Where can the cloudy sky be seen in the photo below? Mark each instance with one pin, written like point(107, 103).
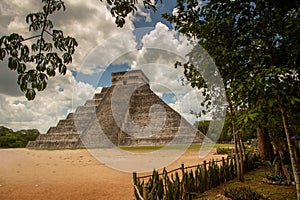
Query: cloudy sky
point(146, 42)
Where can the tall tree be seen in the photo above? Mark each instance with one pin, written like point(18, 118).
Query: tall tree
point(256, 47)
point(51, 56)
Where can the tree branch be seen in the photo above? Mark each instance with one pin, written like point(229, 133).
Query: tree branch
point(30, 38)
point(49, 33)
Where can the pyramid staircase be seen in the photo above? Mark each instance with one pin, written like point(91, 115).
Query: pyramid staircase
point(114, 118)
point(65, 134)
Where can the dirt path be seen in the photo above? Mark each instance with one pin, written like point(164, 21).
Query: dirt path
point(67, 174)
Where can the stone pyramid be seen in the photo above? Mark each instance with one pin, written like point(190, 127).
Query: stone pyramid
point(128, 113)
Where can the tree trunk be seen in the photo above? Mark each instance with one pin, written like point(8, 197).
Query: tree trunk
point(295, 163)
point(278, 149)
point(265, 149)
point(236, 157)
point(241, 156)
point(243, 148)
point(237, 147)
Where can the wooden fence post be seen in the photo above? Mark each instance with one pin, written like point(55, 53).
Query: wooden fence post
point(145, 192)
point(223, 171)
point(182, 180)
point(134, 184)
point(205, 175)
point(182, 169)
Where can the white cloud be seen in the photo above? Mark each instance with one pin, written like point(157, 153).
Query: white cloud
point(109, 51)
point(142, 13)
point(91, 24)
point(16, 7)
point(164, 38)
point(190, 101)
point(162, 47)
point(47, 108)
point(13, 14)
point(82, 92)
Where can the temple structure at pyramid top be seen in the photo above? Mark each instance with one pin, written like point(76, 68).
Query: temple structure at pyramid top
point(129, 77)
point(128, 113)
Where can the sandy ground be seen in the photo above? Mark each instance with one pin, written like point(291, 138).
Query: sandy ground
point(68, 174)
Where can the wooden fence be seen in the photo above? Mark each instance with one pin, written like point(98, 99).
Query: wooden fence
point(187, 182)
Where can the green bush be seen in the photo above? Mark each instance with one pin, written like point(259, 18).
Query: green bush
point(242, 193)
point(275, 177)
point(18, 139)
point(252, 161)
point(221, 150)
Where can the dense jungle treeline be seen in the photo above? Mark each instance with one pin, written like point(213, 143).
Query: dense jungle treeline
point(16, 139)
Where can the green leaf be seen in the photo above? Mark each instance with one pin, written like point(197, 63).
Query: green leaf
point(13, 64)
point(41, 85)
point(271, 102)
point(34, 47)
point(21, 68)
point(67, 58)
point(14, 53)
point(50, 71)
point(29, 18)
point(30, 94)
point(252, 116)
point(2, 54)
point(62, 69)
point(297, 99)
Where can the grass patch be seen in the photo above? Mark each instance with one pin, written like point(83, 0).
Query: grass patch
point(278, 192)
point(253, 180)
point(55, 149)
point(140, 148)
point(148, 148)
point(191, 147)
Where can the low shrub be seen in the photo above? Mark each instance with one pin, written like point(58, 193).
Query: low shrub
point(221, 150)
point(252, 161)
point(242, 193)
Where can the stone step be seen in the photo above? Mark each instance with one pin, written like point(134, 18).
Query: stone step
point(101, 94)
point(66, 127)
point(65, 122)
point(62, 129)
point(83, 122)
point(63, 133)
point(52, 129)
point(59, 137)
point(98, 96)
point(92, 102)
point(59, 133)
point(56, 144)
point(91, 140)
point(84, 117)
point(104, 90)
point(70, 116)
point(84, 109)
